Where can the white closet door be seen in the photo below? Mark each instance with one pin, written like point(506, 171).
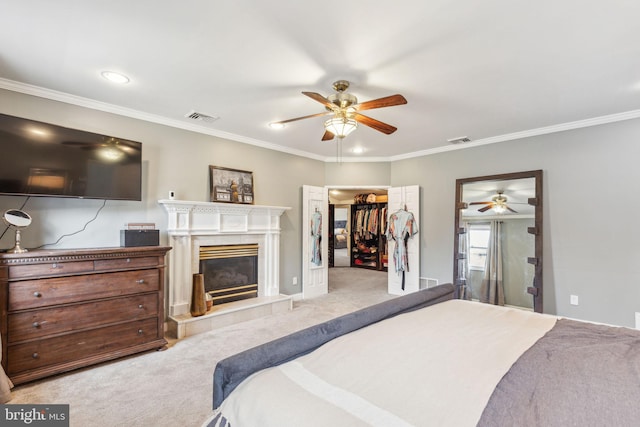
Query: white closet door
point(315, 277)
point(401, 198)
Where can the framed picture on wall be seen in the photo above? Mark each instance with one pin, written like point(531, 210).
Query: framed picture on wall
point(230, 185)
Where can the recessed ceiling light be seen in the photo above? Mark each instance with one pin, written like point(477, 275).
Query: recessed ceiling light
point(115, 77)
point(276, 125)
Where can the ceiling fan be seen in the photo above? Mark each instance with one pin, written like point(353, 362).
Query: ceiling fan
point(498, 203)
point(110, 149)
point(345, 110)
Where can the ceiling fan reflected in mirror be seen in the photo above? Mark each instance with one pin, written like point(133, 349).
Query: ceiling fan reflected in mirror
point(346, 112)
point(110, 149)
point(498, 203)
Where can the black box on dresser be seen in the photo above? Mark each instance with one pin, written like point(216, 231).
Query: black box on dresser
point(134, 238)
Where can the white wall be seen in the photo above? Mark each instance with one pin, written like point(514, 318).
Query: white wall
point(173, 159)
point(591, 187)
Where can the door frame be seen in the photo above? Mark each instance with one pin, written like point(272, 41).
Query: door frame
point(321, 285)
point(315, 199)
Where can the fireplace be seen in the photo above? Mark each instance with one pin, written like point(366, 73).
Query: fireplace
point(230, 272)
point(195, 225)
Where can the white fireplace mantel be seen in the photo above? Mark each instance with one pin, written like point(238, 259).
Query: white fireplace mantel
point(192, 224)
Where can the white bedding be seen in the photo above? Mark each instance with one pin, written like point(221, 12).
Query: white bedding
point(437, 366)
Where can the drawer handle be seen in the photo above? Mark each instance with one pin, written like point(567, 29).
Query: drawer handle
point(140, 306)
point(140, 281)
point(140, 332)
point(37, 294)
point(35, 355)
point(55, 265)
point(128, 259)
point(36, 324)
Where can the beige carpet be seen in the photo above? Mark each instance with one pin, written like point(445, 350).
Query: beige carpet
point(341, 258)
point(174, 387)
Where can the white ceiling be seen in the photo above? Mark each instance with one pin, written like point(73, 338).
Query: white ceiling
point(491, 70)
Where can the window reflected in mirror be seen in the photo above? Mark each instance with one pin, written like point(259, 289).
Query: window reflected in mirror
point(478, 245)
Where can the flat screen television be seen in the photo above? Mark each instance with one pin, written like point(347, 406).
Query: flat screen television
point(42, 159)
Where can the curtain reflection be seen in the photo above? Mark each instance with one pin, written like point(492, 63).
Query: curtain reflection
point(492, 287)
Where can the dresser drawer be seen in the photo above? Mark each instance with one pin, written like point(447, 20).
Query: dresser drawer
point(63, 290)
point(49, 269)
point(120, 263)
point(38, 323)
point(79, 345)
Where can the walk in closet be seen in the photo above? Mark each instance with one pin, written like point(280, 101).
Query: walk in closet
point(368, 239)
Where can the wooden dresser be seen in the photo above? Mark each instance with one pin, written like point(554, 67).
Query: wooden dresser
point(65, 309)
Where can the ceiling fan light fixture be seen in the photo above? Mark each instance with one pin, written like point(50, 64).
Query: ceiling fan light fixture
point(499, 209)
point(340, 126)
point(111, 152)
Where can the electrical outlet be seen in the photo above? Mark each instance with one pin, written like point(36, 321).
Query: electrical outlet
point(574, 300)
point(295, 280)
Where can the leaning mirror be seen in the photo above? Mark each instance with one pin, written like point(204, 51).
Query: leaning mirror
point(17, 220)
point(498, 239)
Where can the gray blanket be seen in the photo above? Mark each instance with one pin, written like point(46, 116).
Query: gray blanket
point(578, 374)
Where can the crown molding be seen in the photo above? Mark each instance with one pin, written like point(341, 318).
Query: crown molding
point(140, 115)
point(135, 114)
point(578, 124)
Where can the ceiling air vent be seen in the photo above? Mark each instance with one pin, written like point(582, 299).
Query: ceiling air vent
point(459, 140)
point(194, 115)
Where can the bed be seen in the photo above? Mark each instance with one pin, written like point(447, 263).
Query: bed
point(426, 359)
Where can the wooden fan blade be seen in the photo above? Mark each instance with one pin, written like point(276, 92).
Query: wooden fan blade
point(511, 209)
point(321, 99)
point(375, 124)
point(387, 101)
point(326, 113)
point(486, 208)
point(481, 203)
point(328, 136)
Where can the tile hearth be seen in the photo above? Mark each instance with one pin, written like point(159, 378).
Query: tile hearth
point(228, 314)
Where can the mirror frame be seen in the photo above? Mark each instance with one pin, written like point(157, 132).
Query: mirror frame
point(21, 214)
point(536, 287)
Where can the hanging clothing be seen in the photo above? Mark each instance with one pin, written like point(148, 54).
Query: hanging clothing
point(316, 237)
point(401, 227)
point(367, 223)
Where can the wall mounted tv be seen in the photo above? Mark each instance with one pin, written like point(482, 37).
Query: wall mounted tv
point(42, 159)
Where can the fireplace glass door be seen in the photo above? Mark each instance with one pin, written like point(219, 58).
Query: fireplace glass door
point(230, 272)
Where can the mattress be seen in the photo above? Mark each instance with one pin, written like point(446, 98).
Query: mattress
point(413, 369)
point(425, 359)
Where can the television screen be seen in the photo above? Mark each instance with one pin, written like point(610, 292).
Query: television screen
point(42, 159)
